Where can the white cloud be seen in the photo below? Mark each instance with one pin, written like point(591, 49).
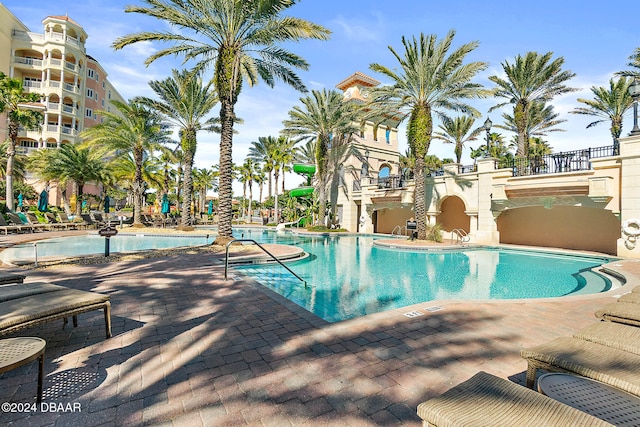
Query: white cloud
point(357, 29)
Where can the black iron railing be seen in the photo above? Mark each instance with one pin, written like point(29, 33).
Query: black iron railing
point(566, 161)
point(391, 181)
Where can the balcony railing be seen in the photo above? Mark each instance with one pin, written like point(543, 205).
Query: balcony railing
point(68, 131)
point(70, 88)
point(566, 161)
point(68, 109)
point(69, 65)
point(53, 106)
point(27, 61)
point(32, 83)
point(389, 182)
point(55, 62)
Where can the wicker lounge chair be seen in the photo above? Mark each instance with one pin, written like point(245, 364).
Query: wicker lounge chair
point(621, 312)
point(633, 297)
point(28, 304)
point(486, 400)
point(616, 335)
point(604, 363)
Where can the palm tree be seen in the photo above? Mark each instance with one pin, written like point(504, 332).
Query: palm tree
point(239, 40)
point(134, 129)
point(634, 61)
point(15, 102)
point(185, 102)
point(541, 120)
point(532, 78)
point(457, 131)
point(203, 180)
point(327, 120)
point(19, 166)
point(246, 175)
point(608, 105)
point(124, 170)
point(260, 178)
point(432, 79)
point(74, 163)
point(262, 151)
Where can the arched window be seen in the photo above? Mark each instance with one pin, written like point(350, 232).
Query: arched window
point(384, 172)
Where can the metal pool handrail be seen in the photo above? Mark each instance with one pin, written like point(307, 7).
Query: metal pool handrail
point(226, 258)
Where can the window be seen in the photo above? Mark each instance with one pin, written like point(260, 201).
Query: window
point(387, 135)
point(89, 93)
point(109, 95)
point(95, 96)
point(103, 85)
point(90, 73)
point(102, 102)
point(97, 77)
point(88, 113)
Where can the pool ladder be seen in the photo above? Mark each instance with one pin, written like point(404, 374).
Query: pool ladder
point(461, 235)
point(226, 258)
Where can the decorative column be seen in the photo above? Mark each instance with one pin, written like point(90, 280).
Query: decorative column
point(629, 241)
point(487, 232)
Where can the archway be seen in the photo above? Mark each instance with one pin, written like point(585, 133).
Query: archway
point(452, 215)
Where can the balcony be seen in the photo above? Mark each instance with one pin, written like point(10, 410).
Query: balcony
point(31, 62)
point(69, 131)
point(70, 88)
point(70, 66)
point(53, 106)
point(389, 182)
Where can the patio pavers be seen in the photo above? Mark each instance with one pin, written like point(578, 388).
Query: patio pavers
point(190, 348)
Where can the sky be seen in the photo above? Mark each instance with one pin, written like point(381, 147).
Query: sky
point(595, 39)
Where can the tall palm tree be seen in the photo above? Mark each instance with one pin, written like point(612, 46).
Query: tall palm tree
point(134, 129)
point(262, 151)
point(280, 157)
point(260, 178)
point(532, 78)
point(432, 79)
point(329, 121)
point(14, 101)
point(246, 175)
point(124, 170)
point(457, 131)
point(203, 180)
point(74, 163)
point(241, 41)
point(541, 120)
point(609, 105)
point(185, 101)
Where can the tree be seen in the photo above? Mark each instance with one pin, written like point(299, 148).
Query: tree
point(239, 40)
point(74, 163)
point(329, 121)
point(532, 78)
point(15, 102)
point(246, 175)
point(185, 102)
point(203, 180)
point(634, 61)
point(432, 79)
point(457, 131)
point(262, 151)
point(608, 105)
point(124, 171)
point(134, 129)
point(542, 120)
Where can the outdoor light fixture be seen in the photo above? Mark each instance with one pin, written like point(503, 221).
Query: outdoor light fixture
point(365, 165)
point(634, 91)
point(487, 127)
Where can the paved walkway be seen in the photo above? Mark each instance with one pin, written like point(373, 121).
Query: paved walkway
point(191, 349)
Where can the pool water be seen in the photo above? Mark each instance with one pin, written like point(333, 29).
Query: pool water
point(347, 276)
point(350, 277)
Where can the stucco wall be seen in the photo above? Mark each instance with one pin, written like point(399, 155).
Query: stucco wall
point(569, 227)
point(452, 215)
point(387, 219)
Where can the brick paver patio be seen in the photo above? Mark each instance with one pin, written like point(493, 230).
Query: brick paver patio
point(190, 349)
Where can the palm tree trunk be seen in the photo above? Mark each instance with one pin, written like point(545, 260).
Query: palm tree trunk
point(11, 153)
point(250, 199)
point(138, 188)
point(276, 216)
point(520, 114)
point(225, 191)
point(419, 131)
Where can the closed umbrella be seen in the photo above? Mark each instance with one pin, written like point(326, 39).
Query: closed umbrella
point(166, 207)
point(107, 202)
point(20, 200)
point(43, 201)
point(210, 209)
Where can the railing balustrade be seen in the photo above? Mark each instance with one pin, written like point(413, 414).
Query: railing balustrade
point(391, 181)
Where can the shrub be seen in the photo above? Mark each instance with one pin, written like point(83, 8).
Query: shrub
point(435, 233)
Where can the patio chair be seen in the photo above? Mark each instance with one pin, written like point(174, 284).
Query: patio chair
point(5, 227)
point(51, 219)
point(98, 219)
point(37, 225)
point(89, 221)
point(64, 219)
point(15, 220)
point(487, 400)
point(621, 312)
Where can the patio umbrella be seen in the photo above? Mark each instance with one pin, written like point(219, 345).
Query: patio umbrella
point(20, 200)
point(106, 204)
point(43, 201)
point(166, 208)
point(210, 209)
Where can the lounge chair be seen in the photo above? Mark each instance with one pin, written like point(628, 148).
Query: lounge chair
point(604, 363)
point(54, 223)
point(64, 219)
point(621, 312)
point(89, 221)
point(37, 225)
point(98, 218)
point(4, 227)
point(611, 334)
point(633, 297)
point(487, 400)
point(15, 220)
point(27, 304)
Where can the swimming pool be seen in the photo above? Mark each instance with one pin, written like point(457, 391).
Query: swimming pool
point(350, 277)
